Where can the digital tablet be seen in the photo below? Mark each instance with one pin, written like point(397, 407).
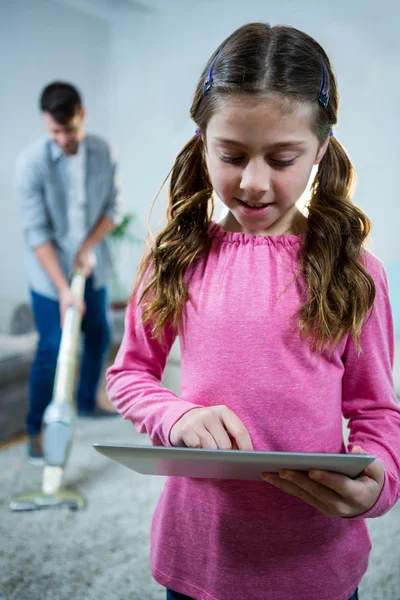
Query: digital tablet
point(227, 464)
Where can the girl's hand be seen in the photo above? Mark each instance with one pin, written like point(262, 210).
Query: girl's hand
point(214, 428)
point(332, 494)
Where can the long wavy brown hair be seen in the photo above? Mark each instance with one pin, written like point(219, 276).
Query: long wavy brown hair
point(261, 60)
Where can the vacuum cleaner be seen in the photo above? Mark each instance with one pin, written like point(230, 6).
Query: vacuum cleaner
point(59, 419)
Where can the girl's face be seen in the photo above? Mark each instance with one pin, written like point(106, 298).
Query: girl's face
point(260, 154)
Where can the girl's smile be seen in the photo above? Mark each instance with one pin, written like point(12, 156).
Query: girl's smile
point(256, 209)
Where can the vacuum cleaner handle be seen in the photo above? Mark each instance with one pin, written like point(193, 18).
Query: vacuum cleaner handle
point(67, 355)
point(59, 416)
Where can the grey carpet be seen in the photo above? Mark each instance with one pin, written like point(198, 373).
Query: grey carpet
point(102, 553)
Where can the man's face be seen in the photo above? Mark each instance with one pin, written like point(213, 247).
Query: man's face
point(69, 135)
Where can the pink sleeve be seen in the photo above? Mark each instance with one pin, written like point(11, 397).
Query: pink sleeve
point(369, 399)
point(134, 380)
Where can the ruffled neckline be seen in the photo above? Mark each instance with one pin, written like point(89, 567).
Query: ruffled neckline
point(217, 232)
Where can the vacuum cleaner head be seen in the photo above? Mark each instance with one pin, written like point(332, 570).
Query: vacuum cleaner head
point(36, 500)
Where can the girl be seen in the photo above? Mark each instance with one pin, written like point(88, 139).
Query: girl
point(284, 325)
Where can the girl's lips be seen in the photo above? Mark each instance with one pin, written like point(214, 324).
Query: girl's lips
point(260, 211)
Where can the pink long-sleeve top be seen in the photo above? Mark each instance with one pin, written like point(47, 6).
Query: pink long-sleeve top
point(228, 540)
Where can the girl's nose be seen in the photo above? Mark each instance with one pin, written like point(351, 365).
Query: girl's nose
point(256, 178)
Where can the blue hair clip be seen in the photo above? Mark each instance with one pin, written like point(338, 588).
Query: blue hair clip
point(323, 96)
point(207, 85)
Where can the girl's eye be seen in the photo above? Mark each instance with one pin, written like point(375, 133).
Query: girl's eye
point(283, 163)
point(231, 159)
point(238, 159)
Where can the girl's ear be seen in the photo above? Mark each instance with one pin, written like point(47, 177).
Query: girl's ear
point(321, 152)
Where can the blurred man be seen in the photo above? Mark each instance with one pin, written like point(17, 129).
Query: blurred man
point(66, 186)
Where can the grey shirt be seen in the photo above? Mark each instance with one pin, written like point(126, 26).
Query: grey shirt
point(42, 184)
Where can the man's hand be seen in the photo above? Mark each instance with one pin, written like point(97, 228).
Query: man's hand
point(332, 494)
point(68, 299)
point(85, 261)
point(214, 428)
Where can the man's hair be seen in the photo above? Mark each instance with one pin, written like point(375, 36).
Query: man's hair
point(61, 100)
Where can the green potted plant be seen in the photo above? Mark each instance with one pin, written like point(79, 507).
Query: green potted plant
point(120, 236)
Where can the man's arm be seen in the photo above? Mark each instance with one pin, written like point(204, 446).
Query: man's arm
point(111, 217)
point(103, 226)
point(37, 228)
point(35, 221)
point(84, 259)
point(49, 261)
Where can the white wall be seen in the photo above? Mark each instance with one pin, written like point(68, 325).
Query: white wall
point(159, 58)
point(41, 41)
point(138, 74)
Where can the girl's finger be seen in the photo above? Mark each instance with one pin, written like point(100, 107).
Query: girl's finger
point(219, 434)
point(375, 470)
point(190, 439)
point(323, 494)
point(206, 439)
point(343, 486)
point(236, 428)
point(294, 490)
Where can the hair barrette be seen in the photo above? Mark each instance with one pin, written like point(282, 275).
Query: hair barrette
point(207, 85)
point(323, 96)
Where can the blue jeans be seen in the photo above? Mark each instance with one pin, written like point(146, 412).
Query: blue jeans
point(176, 596)
point(96, 329)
